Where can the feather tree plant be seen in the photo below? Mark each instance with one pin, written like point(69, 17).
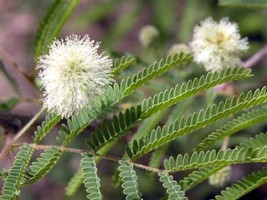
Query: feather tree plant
point(84, 86)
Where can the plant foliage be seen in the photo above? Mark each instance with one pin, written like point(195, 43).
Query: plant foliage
point(12, 183)
point(173, 189)
point(244, 186)
point(193, 122)
point(157, 114)
point(52, 23)
point(213, 158)
point(129, 181)
point(74, 183)
point(120, 124)
point(242, 122)
point(90, 179)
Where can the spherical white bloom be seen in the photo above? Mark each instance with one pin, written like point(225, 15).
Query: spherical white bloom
point(147, 35)
point(217, 45)
point(73, 74)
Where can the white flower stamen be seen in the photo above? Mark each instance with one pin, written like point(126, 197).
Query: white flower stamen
point(73, 74)
point(217, 45)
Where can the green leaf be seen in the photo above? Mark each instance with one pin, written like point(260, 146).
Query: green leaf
point(129, 181)
point(244, 186)
point(43, 165)
point(192, 87)
point(177, 112)
point(119, 125)
point(198, 176)
point(215, 158)
point(202, 174)
point(52, 23)
point(153, 71)
point(74, 184)
point(3, 175)
point(90, 178)
point(174, 190)
point(120, 64)
point(108, 131)
point(148, 125)
point(255, 142)
point(76, 180)
point(244, 3)
point(15, 175)
point(233, 126)
point(195, 121)
point(8, 104)
point(47, 125)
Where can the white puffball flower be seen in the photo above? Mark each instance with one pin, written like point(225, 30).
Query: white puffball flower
point(148, 35)
point(73, 74)
point(217, 45)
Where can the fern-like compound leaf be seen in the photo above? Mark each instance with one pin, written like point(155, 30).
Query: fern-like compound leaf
point(52, 23)
point(195, 121)
point(120, 64)
point(242, 122)
point(255, 142)
point(74, 183)
point(90, 178)
point(110, 129)
point(242, 187)
point(174, 190)
point(50, 122)
point(216, 158)
point(174, 95)
point(118, 126)
point(202, 174)
point(12, 182)
point(129, 181)
point(42, 165)
point(198, 176)
point(154, 70)
point(148, 125)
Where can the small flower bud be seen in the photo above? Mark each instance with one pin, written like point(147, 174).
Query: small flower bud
point(221, 177)
point(178, 48)
point(148, 35)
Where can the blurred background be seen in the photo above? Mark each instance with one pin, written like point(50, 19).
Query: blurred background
point(117, 23)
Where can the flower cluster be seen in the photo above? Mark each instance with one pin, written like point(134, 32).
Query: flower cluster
point(217, 45)
point(73, 74)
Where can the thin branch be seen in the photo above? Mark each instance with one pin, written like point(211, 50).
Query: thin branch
point(9, 144)
point(256, 58)
point(8, 58)
point(6, 148)
point(28, 125)
point(80, 151)
point(225, 143)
